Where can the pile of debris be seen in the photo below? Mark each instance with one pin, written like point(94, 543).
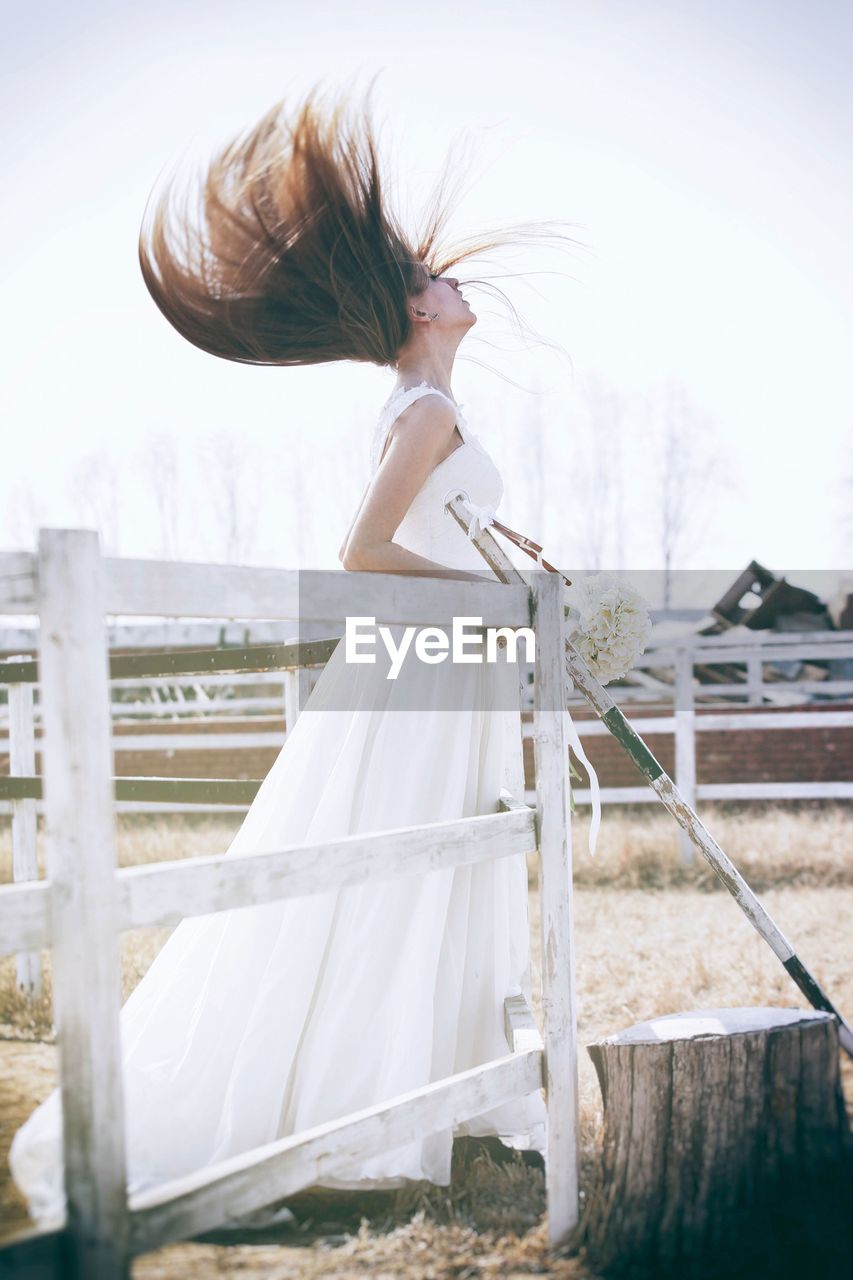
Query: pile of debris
point(758, 600)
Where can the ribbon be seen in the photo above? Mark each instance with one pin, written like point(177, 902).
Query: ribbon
point(594, 793)
point(481, 518)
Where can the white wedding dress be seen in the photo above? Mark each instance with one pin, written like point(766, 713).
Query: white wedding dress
point(255, 1022)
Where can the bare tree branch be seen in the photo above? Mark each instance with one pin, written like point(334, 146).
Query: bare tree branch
point(94, 493)
point(160, 461)
point(232, 470)
point(690, 470)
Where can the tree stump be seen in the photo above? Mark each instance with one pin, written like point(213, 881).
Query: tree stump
point(726, 1147)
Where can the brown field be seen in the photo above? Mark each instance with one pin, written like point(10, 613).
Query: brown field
point(651, 938)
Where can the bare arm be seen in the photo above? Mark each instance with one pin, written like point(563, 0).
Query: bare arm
point(343, 546)
point(418, 442)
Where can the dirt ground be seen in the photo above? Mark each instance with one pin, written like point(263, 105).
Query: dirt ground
point(651, 938)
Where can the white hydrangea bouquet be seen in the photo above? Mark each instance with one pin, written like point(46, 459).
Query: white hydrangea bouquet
point(609, 625)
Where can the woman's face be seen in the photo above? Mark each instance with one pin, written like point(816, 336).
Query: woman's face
point(443, 294)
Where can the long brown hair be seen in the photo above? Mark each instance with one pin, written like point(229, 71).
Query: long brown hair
point(297, 257)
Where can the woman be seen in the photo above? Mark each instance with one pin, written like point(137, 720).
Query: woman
point(256, 1022)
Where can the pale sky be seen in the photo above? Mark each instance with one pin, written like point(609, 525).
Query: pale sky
point(702, 149)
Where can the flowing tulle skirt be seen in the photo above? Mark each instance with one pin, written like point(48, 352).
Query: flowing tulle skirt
point(255, 1022)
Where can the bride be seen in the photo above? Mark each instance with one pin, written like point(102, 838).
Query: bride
point(256, 1022)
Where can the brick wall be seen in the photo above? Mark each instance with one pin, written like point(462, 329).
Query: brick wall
point(743, 755)
point(783, 755)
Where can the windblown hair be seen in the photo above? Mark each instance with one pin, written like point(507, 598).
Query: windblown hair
point(297, 257)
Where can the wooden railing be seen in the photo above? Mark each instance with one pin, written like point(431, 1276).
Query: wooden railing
point(294, 666)
point(85, 900)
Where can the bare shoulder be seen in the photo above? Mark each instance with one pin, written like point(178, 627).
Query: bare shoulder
point(427, 424)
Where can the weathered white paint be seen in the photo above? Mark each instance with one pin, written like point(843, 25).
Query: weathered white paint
point(556, 908)
point(176, 589)
point(730, 722)
point(163, 893)
point(81, 865)
point(202, 1201)
point(175, 743)
point(25, 916)
point(722, 791)
point(775, 791)
point(522, 1032)
point(609, 795)
point(22, 764)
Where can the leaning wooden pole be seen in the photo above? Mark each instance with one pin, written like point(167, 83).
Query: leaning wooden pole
point(668, 793)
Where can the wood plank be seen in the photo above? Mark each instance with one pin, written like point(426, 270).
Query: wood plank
point(25, 916)
point(205, 1200)
point(81, 863)
point(230, 659)
point(187, 589)
point(521, 1030)
point(724, 791)
point(22, 761)
point(203, 790)
point(178, 742)
point(254, 658)
point(725, 722)
point(775, 791)
point(164, 893)
point(776, 651)
point(551, 747)
point(735, 721)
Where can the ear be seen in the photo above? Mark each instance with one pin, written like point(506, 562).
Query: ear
point(417, 314)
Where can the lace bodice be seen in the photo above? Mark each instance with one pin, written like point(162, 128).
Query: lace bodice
point(427, 529)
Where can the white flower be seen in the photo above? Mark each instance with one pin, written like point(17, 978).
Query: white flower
point(609, 624)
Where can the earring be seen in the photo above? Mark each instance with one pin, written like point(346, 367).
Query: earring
point(434, 315)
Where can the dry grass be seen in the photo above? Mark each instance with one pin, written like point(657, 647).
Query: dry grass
point(651, 938)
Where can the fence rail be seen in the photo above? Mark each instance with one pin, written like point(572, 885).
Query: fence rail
point(79, 910)
point(299, 662)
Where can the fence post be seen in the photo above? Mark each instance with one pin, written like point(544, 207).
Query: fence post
point(298, 681)
point(685, 742)
point(556, 906)
point(513, 778)
point(22, 763)
point(78, 806)
point(297, 686)
point(755, 676)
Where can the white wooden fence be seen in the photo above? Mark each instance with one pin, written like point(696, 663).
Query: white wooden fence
point(285, 692)
point(85, 901)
